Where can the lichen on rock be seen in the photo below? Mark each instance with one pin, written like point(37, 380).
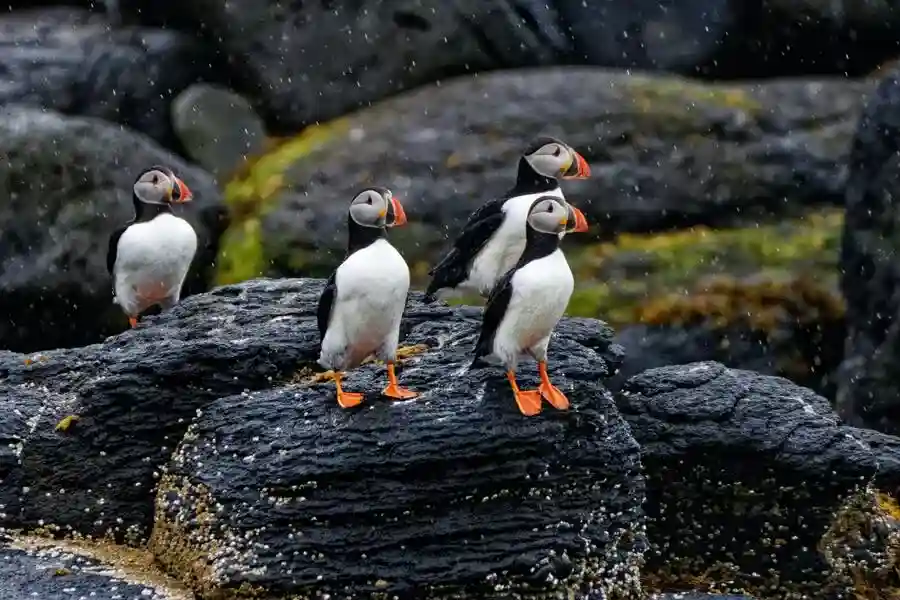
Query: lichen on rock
point(745, 475)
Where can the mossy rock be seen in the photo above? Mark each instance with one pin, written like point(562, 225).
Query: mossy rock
point(623, 280)
point(666, 152)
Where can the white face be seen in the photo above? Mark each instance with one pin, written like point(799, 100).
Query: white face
point(370, 207)
point(156, 187)
point(553, 159)
point(549, 216)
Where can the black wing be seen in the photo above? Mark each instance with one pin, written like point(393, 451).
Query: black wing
point(326, 303)
point(451, 270)
point(494, 310)
point(113, 249)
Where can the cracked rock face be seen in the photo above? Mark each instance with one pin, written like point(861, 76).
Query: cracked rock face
point(745, 474)
point(484, 498)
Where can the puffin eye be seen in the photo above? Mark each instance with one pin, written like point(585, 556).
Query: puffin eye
point(550, 209)
point(556, 152)
point(155, 179)
point(369, 200)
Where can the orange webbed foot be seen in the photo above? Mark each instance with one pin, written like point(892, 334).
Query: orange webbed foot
point(132, 321)
point(398, 393)
point(549, 391)
point(528, 401)
point(393, 389)
point(346, 399)
point(349, 399)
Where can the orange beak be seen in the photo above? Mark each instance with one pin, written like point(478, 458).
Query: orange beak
point(399, 213)
point(576, 216)
point(580, 169)
point(184, 192)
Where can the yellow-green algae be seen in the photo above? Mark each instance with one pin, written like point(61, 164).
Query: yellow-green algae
point(615, 281)
point(669, 105)
point(253, 192)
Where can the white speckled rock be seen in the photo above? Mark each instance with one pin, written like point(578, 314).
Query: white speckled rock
point(454, 494)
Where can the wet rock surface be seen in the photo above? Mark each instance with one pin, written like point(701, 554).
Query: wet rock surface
point(887, 452)
point(869, 390)
point(299, 496)
point(48, 572)
point(134, 396)
point(387, 466)
point(67, 184)
point(75, 62)
point(737, 155)
point(745, 473)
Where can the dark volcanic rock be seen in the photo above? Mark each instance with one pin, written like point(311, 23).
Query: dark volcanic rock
point(389, 468)
point(283, 490)
point(70, 60)
point(745, 473)
point(664, 151)
point(135, 395)
point(869, 390)
point(305, 62)
point(67, 184)
point(734, 38)
point(45, 572)
point(792, 328)
point(887, 451)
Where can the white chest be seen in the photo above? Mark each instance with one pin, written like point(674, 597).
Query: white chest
point(164, 244)
point(375, 272)
point(505, 247)
point(540, 294)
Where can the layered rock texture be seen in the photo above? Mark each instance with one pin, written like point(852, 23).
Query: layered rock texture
point(208, 437)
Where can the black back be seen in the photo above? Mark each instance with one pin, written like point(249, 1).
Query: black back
point(326, 304)
point(453, 267)
point(538, 245)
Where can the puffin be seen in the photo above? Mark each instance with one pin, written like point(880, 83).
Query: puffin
point(149, 257)
point(528, 301)
point(494, 235)
point(362, 303)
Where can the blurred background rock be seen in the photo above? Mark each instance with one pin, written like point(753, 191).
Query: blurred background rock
point(722, 135)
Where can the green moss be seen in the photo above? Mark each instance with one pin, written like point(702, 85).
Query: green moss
point(676, 107)
point(615, 280)
point(253, 191)
point(683, 92)
point(763, 306)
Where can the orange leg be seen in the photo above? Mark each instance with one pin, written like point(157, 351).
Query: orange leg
point(132, 321)
point(549, 391)
point(529, 401)
point(393, 390)
point(346, 399)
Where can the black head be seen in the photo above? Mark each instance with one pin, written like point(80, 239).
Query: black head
point(372, 210)
point(376, 207)
point(552, 158)
point(548, 215)
point(159, 185)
